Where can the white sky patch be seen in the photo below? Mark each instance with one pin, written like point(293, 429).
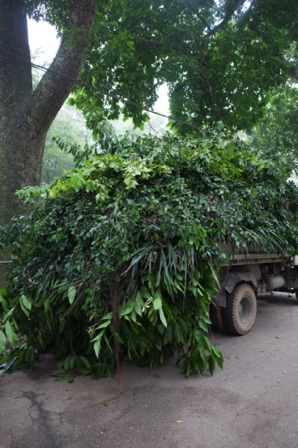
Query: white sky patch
point(162, 104)
point(43, 41)
point(247, 5)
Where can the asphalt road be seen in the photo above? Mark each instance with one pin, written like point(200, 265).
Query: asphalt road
point(252, 403)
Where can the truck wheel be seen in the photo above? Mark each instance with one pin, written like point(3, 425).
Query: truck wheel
point(241, 310)
point(215, 317)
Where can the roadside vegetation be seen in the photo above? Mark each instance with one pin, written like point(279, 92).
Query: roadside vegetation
point(115, 256)
point(117, 260)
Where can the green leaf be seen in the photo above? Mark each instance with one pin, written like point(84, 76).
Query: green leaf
point(157, 303)
point(162, 317)
point(199, 337)
point(4, 303)
point(98, 337)
point(108, 316)
point(4, 293)
point(104, 324)
point(46, 305)
point(2, 342)
point(71, 293)
point(11, 336)
point(64, 376)
point(11, 364)
point(85, 362)
point(126, 309)
point(203, 325)
point(138, 306)
point(217, 356)
point(96, 347)
point(116, 335)
point(97, 342)
point(26, 304)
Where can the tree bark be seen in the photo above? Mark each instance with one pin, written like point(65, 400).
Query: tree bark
point(26, 114)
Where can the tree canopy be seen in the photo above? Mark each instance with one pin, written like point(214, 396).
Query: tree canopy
point(277, 131)
point(219, 59)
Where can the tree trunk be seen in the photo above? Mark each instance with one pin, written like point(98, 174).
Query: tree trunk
point(26, 114)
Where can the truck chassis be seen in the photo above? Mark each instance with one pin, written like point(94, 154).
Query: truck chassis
point(242, 279)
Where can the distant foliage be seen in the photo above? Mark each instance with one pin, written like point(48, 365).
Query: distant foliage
point(277, 132)
point(118, 259)
point(69, 126)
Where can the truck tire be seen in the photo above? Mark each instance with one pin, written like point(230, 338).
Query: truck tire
point(215, 317)
point(241, 310)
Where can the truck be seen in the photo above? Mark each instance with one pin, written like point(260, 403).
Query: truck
point(242, 278)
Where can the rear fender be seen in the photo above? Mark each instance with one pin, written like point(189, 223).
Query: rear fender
point(229, 283)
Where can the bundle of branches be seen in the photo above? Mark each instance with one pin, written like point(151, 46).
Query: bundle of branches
point(118, 260)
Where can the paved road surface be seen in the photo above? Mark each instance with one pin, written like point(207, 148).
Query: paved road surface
point(252, 403)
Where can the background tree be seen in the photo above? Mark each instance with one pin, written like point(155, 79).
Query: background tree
point(218, 57)
point(277, 131)
point(69, 126)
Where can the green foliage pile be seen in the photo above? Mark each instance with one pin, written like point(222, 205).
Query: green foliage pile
point(118, 260)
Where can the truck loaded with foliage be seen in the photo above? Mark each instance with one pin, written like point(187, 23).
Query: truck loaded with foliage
point(119, 260)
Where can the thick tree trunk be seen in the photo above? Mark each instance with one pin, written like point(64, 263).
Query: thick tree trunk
point(15, 85)
point(26, 115)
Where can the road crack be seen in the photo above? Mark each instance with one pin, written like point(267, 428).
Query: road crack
point(38, 414)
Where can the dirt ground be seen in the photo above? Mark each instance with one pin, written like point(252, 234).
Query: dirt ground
point(252, 403)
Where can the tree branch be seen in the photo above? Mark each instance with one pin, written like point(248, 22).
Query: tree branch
point(53, 90)
point(191, 7)
point(229, 14)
